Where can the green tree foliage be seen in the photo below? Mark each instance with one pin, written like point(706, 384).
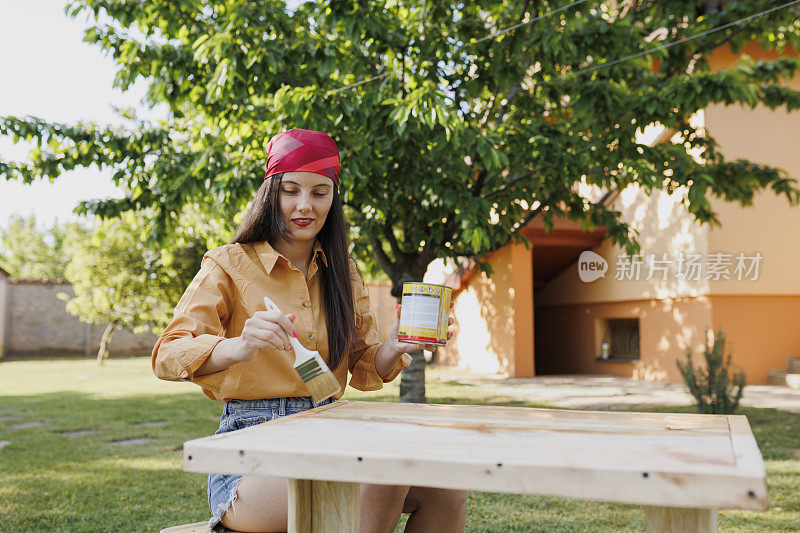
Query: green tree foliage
point(456, 140)
point(31, 253)
point(715, 388)
point(122, 282)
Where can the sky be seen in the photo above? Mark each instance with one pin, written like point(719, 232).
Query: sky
point(46, 70)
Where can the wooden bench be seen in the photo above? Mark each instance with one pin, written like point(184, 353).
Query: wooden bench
point(197, 527)
point(681, 468)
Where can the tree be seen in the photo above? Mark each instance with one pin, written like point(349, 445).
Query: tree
point(460, 132)
point(121, 282)
point(30, 253)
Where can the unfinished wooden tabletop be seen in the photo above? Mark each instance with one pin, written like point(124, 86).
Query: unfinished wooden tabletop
point(655, 459)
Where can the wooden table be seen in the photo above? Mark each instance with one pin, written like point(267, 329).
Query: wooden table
point(680, 467)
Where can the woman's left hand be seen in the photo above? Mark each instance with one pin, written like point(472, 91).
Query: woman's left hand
point(405, 347)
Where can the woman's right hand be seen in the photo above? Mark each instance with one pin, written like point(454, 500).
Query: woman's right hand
point(265, 330)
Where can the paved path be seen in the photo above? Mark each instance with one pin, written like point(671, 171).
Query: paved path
point(611, 392)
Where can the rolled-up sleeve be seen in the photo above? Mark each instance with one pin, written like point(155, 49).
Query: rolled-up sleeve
point(365, 375)
point(198, 324)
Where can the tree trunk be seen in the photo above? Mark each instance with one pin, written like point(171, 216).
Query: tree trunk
point(102, 353)
point(412, 379)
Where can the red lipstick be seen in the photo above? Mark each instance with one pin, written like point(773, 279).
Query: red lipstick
point(302, 222)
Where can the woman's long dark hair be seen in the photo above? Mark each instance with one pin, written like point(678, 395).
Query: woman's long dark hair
point(264, 222)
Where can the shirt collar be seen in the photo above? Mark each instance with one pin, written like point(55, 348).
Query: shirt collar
point(269, 256)
point(319, 252)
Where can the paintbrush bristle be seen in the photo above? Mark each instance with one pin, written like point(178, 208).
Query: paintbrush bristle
point(319, 380)
point(323, 386)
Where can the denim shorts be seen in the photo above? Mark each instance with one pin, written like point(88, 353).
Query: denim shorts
point(239, 414)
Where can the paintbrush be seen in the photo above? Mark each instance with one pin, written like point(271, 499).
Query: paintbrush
point(316, 375)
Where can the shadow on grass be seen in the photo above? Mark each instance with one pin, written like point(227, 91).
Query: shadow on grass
point(51, 482)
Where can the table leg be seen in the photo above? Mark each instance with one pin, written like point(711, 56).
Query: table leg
point(323, 506)
point(676, 519)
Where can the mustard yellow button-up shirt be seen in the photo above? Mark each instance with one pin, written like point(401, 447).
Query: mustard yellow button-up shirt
point(228, 289)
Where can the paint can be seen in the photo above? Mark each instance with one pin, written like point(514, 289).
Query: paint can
point(425, 313)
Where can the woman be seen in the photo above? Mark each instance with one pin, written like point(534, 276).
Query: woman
point(292, 247)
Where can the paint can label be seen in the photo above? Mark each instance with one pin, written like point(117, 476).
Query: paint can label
point(425, 313)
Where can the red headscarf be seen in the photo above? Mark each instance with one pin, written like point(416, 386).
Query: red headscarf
point(298, 150)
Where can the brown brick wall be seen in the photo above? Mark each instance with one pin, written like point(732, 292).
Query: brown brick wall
point(37, 323)
point(383, 306)
point(3, 313)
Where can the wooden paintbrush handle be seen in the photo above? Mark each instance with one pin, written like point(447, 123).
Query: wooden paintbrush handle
point(301, 353)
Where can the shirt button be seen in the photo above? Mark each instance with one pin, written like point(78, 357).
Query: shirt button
point(311, 336)
point(306, 304)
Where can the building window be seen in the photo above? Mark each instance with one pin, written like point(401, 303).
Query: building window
point(622, 337)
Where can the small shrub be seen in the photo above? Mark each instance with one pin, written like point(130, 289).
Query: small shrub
point(716, 390)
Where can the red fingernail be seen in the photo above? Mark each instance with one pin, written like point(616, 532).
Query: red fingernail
point(293, 316)
point(294, 332)
point(396, 307)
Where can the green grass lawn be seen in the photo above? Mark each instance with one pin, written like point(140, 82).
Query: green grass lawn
point(51, 482)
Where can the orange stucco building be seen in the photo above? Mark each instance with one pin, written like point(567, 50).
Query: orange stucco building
point(536, 315)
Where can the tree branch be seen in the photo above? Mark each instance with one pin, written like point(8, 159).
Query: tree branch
point(488, 113)
point(510, 96)
point(507, 184)
point(512, 93)
point(380, 256)
point(479, 183)
point(392, 240)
